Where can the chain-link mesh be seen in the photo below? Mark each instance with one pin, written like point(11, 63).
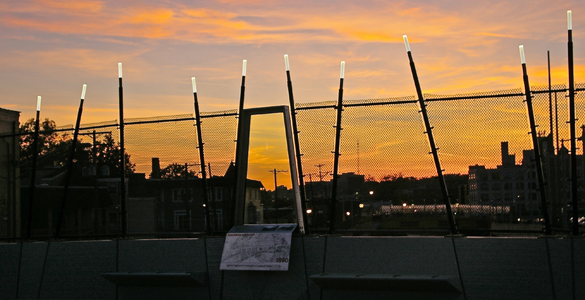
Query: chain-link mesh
point(171, 142)
point(387, 180)
point(482, 140)
point(219, 136)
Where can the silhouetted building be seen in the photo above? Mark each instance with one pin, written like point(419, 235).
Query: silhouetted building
point(178, 206)
point(85, 212)
point(10, 205)
point(516, 186)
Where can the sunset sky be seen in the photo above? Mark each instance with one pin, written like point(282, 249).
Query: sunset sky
point(51, 47)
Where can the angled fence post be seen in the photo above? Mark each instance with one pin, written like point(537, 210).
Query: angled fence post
point(70, 164)
point(238, 217)
point(123, 211)
point(535, 145)
point(201, 157)
point(339, 108)
point(295, 130)
point(33, 170)
point(429, 132)
point(572, 121)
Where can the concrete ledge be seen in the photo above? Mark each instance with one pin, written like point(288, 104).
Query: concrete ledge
point(387, 282)
point(157, 279)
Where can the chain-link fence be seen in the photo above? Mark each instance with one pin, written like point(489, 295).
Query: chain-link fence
point(387, 181)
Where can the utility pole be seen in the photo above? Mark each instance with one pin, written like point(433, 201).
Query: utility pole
point(275, 171)
point(321, 174)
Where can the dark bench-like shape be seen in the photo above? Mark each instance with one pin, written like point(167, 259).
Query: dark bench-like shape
point(157, 279)
point(388, 282)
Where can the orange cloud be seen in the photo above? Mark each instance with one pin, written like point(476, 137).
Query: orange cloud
point(492, 34)
point(215, 25)
point(85, 7)
point(47, 7)
point(97, 62)
point(159, 16)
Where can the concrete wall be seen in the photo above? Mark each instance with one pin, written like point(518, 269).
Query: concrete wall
point(481, 268)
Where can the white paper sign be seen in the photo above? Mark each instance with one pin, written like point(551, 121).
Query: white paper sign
point(257, 247)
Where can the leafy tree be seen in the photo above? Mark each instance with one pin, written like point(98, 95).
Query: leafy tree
point(108, 154)
point(48, 139)
point(54, 149)
point(175, 170)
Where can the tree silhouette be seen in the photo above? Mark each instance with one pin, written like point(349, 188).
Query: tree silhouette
point(48, 140)
point(175, 170)
point(54, 149)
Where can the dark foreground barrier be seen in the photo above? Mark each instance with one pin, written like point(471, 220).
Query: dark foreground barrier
point(321, 267)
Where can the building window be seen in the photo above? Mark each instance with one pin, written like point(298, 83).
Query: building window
point(182, 194)
point(251, 213)
point(218, 191)
point(182, 221)
point(216, 219)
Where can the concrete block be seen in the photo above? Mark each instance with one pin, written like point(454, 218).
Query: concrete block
point(169, 255)
point(560, 253)
point(579, 261)
point(504, 268)
point(391, 255)
point(10, 254)
point(73, 270)
point(33, 258)
point(214, 251)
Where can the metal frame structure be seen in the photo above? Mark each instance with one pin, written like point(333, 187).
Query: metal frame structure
point(243, 140)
